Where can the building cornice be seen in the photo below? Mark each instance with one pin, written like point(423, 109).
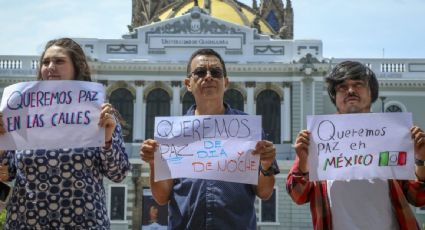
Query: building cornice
point(410, 84)
point(179, 67)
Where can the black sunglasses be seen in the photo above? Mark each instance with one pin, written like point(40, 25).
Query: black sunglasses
point(201, 72)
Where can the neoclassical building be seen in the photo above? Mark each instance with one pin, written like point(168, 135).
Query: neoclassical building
point(271, 75)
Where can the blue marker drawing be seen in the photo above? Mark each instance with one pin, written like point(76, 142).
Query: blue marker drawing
point(171, 153)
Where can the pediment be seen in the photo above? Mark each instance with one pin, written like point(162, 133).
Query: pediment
point(191, 31)
point(194, 22)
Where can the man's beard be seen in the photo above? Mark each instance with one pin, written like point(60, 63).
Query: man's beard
point(354, 109)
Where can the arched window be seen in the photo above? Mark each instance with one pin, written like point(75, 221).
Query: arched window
point(122, 100)
point(268, 106)
point(234, 98)
point(157, 104)
point(188, 100)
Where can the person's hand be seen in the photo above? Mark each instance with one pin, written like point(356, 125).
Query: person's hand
point(418, 137)
point(301, 144)
point(301, 148)
point(107, 121)
point(4, 173)
point(147, 150)
point(2, 129)
point(267, 153)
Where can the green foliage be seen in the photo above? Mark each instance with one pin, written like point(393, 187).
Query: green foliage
point(2, 219)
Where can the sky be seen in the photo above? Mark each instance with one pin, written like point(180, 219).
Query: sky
point(347, 28)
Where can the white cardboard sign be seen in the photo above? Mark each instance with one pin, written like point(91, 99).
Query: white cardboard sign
point(208, 147)
point(361, 146)
point(52, 114)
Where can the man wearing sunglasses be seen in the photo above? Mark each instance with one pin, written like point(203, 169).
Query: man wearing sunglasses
point(357, 204)
point(211, 204)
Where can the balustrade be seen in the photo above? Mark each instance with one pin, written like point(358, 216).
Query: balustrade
point(10, 64)
point(393, 67)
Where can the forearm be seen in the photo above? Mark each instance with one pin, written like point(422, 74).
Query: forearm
point(115, 163)
point(413, 190)
point(264, 189)
point(298, 185)
point(161, 190)
point(303, 166)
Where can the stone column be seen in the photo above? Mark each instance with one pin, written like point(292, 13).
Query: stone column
point(249, 106)
point(139, 113)
point(286, 113)
point(176, 106)
point(306, 99)
point(136, 218)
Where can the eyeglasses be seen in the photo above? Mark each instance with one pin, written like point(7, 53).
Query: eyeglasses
point(344, 87)
point(201, 72)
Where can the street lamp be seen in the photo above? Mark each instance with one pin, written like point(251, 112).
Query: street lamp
point(136, 170)
point(382, 103)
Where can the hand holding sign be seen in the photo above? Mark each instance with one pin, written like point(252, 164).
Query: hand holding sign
point(419, 138)
point(220, 147)
point(267, 153)
point(147, 151)
point(301, 149)
point(107, 121)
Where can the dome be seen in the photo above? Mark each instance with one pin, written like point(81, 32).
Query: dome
point(227, 10)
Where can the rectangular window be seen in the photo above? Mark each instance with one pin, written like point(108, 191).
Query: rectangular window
point(117, 202)
point(154, 216)
point(268, 209)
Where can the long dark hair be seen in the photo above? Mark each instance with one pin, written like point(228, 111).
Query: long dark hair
point(75, 53)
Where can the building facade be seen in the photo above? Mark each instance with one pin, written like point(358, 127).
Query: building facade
point(280, 79)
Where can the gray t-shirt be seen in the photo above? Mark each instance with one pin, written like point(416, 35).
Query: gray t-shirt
point(361, 204)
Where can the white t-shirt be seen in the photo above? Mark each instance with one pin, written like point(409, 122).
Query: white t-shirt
point(154, 226)
point(361, 204)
